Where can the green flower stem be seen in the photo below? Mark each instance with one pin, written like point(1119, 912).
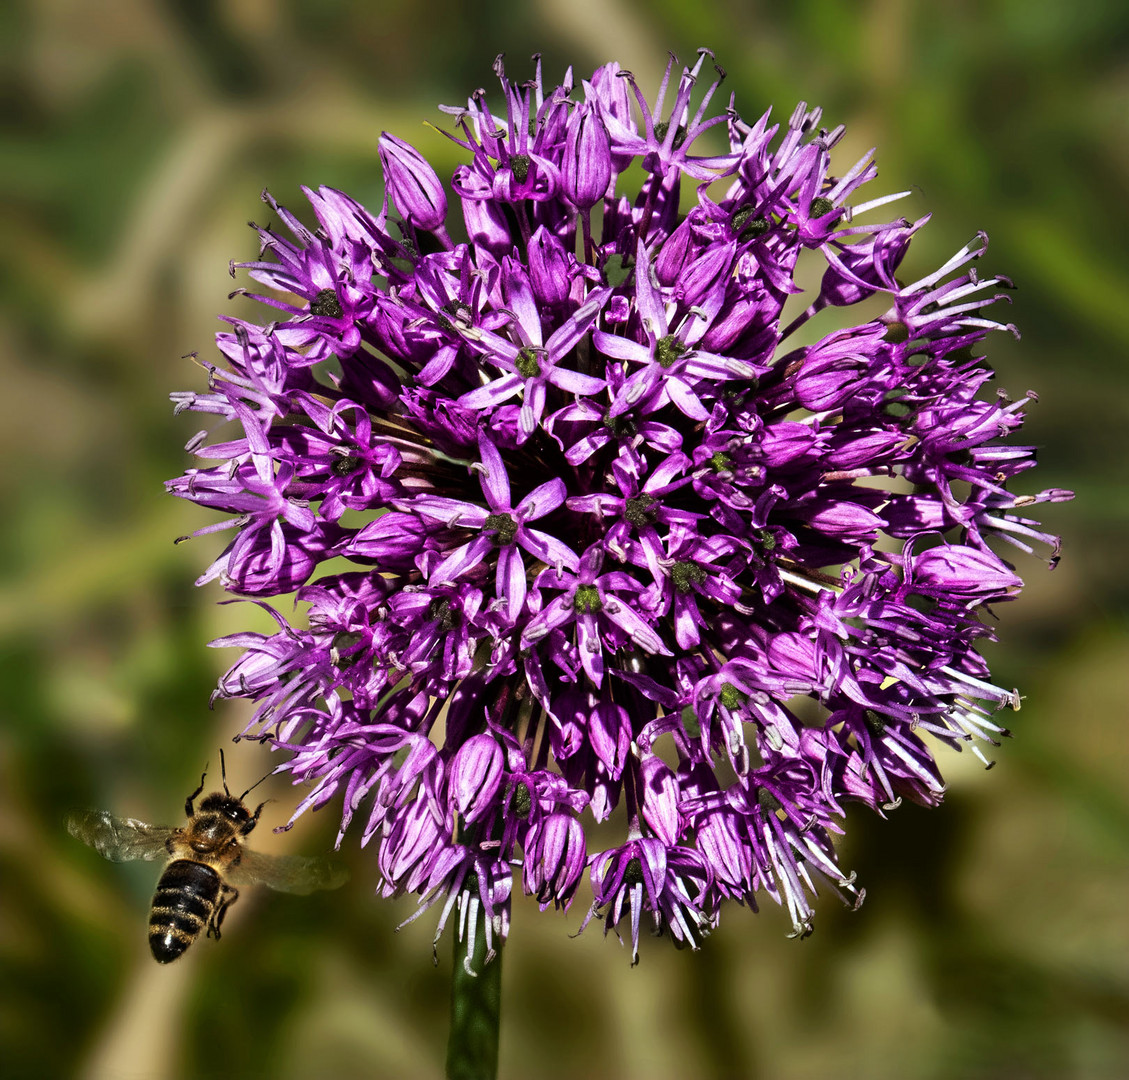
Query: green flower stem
point(472, 1045)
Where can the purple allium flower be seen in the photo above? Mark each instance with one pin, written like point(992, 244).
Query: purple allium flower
point(617, 536)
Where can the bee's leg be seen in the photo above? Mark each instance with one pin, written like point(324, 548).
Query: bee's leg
point(254, 818)
point(227, 897)
point(188, 811)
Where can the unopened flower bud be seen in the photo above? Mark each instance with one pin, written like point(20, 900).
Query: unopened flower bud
point(548, 268)
point(476, 773)
point(586, 168)
point(412, 183)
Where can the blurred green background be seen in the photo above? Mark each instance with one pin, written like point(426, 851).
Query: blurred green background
point(137, 136)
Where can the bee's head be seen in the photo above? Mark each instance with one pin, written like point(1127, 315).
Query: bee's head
point(220, 802)
point(229, 806)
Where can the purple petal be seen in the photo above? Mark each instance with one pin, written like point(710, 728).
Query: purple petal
point(494, 479)
point(573, 382)
point(452, 512)
point(493, 393)
point(461, 561)
point(541, 500)
point(590, 646)
point(564, 339)
point(549, 549)
point(558, 613)
point(660, 800)
point(511, 581)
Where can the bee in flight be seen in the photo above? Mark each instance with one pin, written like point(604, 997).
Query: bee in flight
point(206, 861)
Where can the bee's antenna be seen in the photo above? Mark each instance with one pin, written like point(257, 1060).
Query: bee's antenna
point(270, 772)
point(223, 773)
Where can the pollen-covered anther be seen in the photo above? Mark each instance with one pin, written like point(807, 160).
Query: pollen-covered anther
point(503, 526)
point(875, 722)
point(326, 305)
point(344, 465)
point(686, 575)
point(747, 226)
point(641, 510)
point(668, 350)
point(522, 800)
point(440, 610)
point(587, 600)
point(526, 363)
point(730, 696)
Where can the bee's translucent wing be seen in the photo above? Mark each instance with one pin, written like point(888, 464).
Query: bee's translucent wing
point(287, 873)
point(119, 839)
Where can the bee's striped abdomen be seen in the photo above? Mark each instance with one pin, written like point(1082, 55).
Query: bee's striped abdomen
point(182, 905)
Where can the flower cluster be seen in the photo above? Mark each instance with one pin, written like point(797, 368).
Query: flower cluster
point(610, 537)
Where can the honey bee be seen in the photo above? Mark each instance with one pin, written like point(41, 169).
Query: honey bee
point(206, 861)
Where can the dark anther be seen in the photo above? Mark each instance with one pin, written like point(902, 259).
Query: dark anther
point(519, 166)
point(326, 305)
point(504, 526)
point(526, 363)
point(640, 510)
point(820, 207)
point(345, 465)
point(668, 350)
point(633, 874)
point(686, 574)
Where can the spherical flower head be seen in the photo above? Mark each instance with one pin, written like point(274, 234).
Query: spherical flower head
point(624, 543)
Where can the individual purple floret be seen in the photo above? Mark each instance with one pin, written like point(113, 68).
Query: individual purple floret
point(625, 528)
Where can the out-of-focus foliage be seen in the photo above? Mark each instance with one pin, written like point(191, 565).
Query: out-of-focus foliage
point(137, 135)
